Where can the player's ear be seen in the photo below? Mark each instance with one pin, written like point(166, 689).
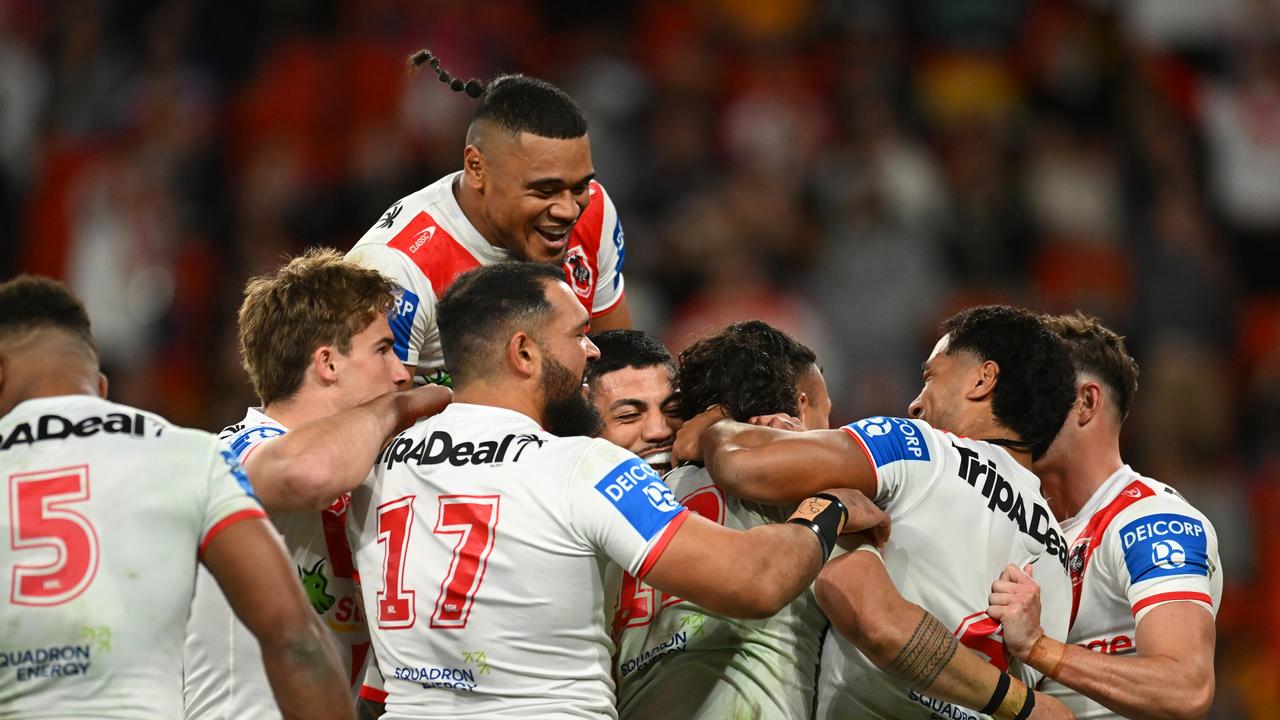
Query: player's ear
point(102, 386)
point(474, 168)
point(1088, 402)
point(324, 362)
point(802, 407)
point(523, 354)
point(984, 381)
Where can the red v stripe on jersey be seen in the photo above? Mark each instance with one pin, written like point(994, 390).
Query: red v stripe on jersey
point(1094, 531)
point(440, 257)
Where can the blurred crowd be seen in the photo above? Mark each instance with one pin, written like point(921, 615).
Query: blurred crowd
point(850, 170)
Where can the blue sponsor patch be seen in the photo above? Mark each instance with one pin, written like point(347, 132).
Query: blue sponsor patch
point(401, 321)
point(1163, 545)
point(622, 253)
point(237, 472)
point(640, 495)
point(891, 439)
point(254, 435)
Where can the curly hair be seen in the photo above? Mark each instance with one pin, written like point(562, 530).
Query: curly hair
point(32, 302)
point(750, 368)
point(1037, 381)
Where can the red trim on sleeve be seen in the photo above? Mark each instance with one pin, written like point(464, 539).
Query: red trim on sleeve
point(1171, 597)
point(610, 307)
point(656, 551)
point(875, 471)
point(374, 694)
point(227, 522)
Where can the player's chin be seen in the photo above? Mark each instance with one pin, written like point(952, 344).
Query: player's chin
point(540, 248)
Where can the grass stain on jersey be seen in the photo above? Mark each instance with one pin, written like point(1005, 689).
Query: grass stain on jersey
point(314, 583)
point(478, 658)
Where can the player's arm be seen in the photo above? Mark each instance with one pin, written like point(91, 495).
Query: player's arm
point(1170, 676)
point(249, 563)
point(318, 461)
point(912, 646)
point(617, 317)
point(756, 573)
point(776, 466)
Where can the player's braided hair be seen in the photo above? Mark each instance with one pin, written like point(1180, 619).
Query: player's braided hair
point(516, 103)
point(750, 368)
point(1037, 381)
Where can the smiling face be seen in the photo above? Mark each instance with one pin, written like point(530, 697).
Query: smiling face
point(532, 191)
point(639, 411)
point(946, 376)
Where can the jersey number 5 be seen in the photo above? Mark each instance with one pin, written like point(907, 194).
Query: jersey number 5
point(40, 518)
point(473, 518)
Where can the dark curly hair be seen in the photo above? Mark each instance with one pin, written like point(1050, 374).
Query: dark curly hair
point(1037, 380)
point(34, 302)
point(749, 367)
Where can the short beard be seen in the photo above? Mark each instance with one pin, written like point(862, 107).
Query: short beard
point(566, 411)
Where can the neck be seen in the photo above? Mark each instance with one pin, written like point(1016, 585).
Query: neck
point(302, 407)
point(469, 200)
point(46, 385)
point(500, 396)
point(990, 429)
point(1074, 476)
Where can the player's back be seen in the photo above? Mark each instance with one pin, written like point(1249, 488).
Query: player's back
point(962, 510)
point(106, 507)
point(485, 546)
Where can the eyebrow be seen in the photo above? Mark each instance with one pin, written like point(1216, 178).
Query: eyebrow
point(558, 182)
point(628, 401)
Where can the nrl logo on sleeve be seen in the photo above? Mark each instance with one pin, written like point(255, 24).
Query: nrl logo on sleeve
point(635, 489)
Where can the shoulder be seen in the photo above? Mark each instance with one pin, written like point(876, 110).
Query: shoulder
point(892, 439)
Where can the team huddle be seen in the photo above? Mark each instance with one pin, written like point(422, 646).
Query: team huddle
point(471, 490)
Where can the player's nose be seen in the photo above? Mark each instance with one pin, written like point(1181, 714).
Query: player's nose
point(915, 410)
point(565, 208)
point(656, 429)
point(593, 352)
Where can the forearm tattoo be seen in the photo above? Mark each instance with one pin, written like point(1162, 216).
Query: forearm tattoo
point(924, 656)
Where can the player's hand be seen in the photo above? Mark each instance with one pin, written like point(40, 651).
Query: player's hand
point(864, 517)
point(687, 445)
point(1015, 603)
point(780, 421)
point(1049, 708)
point(413, 405)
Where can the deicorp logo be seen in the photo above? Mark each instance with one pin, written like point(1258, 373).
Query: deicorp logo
point(890, 439)
point(1164, 544)
point(640, 495)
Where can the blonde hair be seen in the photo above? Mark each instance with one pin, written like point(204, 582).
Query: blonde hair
point(316, 299)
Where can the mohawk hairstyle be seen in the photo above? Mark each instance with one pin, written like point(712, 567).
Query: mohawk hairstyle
point(516, 103)
point(35, 302)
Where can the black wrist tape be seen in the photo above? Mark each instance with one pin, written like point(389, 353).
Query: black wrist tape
point(1028, 706)
point(826, 523)
point(997, 696)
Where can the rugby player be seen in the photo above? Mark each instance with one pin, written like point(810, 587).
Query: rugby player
point(526, 191)
point(316, 345)
point(632, 388)
point(1145, 576)
point(677, 659)
point(489, 536)
point(955, 480)
point(109, 510)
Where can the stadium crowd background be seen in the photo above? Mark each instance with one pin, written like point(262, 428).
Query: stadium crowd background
point(850, 170)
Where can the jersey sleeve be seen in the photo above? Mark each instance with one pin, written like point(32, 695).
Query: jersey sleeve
point(904, 453)
point(1163, 550)
point(609, 258)
point(620, 507)
point(374, 686)
point(413, 315)
point(243, 441)
point(229, 497)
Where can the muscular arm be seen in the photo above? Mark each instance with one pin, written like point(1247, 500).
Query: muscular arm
point(753, 573)
point(618, 317)
point(259, 581)
point(904, 640)
point(768, 465)
point(319, 460)
point(1171, 676)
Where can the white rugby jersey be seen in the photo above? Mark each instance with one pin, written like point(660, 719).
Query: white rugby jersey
point(487, 548)
point(104, 513)
point(962, 511)
point(1135, 545)
point(424, 242)
point(679, 661)
point(224, 675)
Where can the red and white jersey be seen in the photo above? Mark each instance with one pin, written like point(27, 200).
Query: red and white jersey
point(424, 241)
point(962, 511)
point(104, 513)
point(224, 675)
point(490, 553)
point(1135, 545)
